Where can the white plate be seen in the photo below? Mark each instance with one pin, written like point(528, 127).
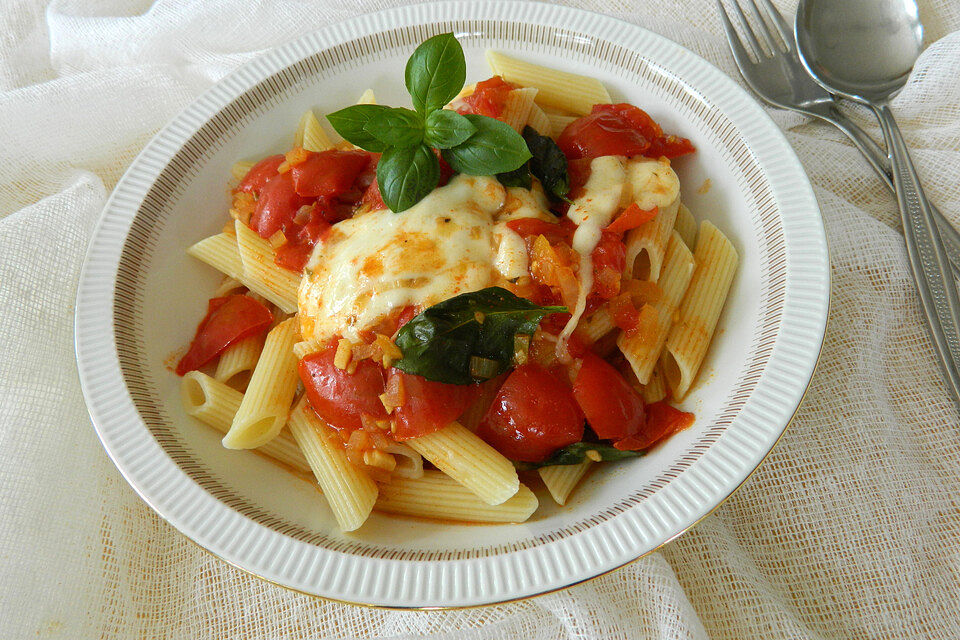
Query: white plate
point(140, 298)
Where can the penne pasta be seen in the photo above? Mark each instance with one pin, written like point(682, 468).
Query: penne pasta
point(276, 284)
point(562, 479)
point(640, 349)
point(517, 106)
point(305, 348)
point(597, 325)
point(310, 134)
point(539, 121)
point(266, 403)
point(240, 357)
point(240, 169)
point(215, 404)
point(466, 458)
point(653, 184)
point(437, 495)
point(221, 253)
point(559, 89)
point(691, 335)
point(656, 389)
point(350, 492)
point(367, 97)
point(409, 462)
point(686, 226)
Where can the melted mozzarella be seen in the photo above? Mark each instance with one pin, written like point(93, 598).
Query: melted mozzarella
point(653, 182)
point(447, 244)
point(592, 211)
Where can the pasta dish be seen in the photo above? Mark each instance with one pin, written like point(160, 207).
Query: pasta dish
point(495, 288)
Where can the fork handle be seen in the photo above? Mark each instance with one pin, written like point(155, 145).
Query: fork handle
point(939, 296)
point(877, 158)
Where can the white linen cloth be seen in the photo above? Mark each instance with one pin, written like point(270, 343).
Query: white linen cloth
point(850, 529)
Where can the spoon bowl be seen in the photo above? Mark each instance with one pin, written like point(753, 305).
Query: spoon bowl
point(862, 49)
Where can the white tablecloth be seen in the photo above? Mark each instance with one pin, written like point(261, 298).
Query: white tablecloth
point(851, 529)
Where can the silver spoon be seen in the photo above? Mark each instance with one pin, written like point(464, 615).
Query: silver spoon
point(865, 50)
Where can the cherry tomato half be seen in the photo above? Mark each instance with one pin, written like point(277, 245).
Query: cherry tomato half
point(228, 320)
point(533, 415)
point(613, 409)
point(429, 405)
point(338, 397)
point(258, 175)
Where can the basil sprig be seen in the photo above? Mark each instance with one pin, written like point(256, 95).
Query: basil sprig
point(409, 168)
point(439, 343)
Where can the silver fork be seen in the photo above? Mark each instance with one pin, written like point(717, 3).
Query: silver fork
point(777, 76)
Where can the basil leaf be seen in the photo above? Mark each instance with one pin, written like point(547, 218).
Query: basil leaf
point(519, 177)
point(577, 452)
point(435, 72)
point(397, 127)
point(351, 124)
point(548, 163)
point(494, 148)
point(406, 175)
point(438, 343)
point(446, 128)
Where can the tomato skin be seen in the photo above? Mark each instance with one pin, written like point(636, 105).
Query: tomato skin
point(631, 218)
point(338, 397)
point(328, 173)
point(259, 174)
point(610, 253)
point(601, 134)
point(429, 406)
point(278, 205)
point(612, 407)
point(488, 98)
point(619, 130)
point(533, 415)
point(228, 320)
point(662, 421)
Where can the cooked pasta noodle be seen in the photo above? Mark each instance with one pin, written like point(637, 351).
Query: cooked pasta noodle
point(539, 121)
point(516, 109)
point(437, 495)
point(276, 284)
point(560, 89)
point(310, 134)
point(240, 169)
point(239, 358)
point(266, 402)
point(466, 458)
point(686, 226)
point(656, 389)
point(215, 404)
point(691, 335)
point(349, 491)
point(367, 97)
point(562, 479)
point(640, 349)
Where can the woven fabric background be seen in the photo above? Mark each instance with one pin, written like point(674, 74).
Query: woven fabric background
point(850, 530)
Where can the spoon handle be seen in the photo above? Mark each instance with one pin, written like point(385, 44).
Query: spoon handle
point(927, 256)
point(878, 160)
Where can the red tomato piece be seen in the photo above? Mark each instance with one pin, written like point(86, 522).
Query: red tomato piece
point(561, 231)
point(295, 252)
point(533, 415)
point(488, 99)
point(601, 134)
point(429, 405)
point(329, 173)
point(228, 320)
point(258, 175)
point(670, 146)
point(338, 397)
point(619, 130)
point(631, 218)
point(624, 314)
point(609, 255)
point(662, 421)
point(277, 206)
point(612, 407)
